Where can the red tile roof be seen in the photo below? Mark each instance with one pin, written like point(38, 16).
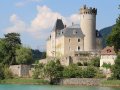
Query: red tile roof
point(108, 51)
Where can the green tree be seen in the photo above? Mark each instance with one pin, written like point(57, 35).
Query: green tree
point(12, 41)
point(116, 68)
point(1, 72)
point(89, 72)
point(53, 70)
point(38, 71)
point(114, 38)
point(72, 71)
point(24, 55)
point(2, 51)
point(95, 62)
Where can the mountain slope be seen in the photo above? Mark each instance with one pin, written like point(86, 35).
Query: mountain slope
point(105, 33)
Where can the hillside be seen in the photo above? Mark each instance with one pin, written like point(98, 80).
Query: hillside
point(105, 32)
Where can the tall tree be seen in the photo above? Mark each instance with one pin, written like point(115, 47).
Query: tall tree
point(116, 68)
point(114, 38)
point(12, 41)
point(24, 55)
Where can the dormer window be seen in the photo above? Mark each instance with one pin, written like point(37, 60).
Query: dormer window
point(74, 32)
point(108, 51)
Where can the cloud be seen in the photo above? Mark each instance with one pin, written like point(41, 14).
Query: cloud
point(17, 24)
point(25, 2)
point(42, 24)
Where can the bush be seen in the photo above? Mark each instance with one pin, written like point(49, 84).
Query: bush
point(79, 64)
point(70, 71)
point(7, 73)
point(95, 62)
point(99, 74)
point(1, 74)
point(107, 66)
point(85, 63)
point(116, 68)
point(38, 71)
point(35, 74)
point(89, 72)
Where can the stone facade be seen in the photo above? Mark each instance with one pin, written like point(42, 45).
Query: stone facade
point(88, 27)
point(20, 70)
point(64, 41)
point(68, 42)
point(81, 81)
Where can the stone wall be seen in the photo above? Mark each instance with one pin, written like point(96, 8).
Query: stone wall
point(81, 81)
point(20, 70)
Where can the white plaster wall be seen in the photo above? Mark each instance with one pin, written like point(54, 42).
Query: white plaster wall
point(107, 59)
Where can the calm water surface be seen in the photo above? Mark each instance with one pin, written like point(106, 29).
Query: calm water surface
point(48, 87)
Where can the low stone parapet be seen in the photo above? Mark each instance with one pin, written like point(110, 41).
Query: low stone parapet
point(81, 81)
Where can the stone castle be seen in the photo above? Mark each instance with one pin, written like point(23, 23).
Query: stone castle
point(77, 39)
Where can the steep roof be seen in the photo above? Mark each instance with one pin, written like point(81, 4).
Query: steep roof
point(108, 51)
point(58, 25)
point(71, 31)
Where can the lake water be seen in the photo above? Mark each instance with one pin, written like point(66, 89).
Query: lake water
point(49, 87)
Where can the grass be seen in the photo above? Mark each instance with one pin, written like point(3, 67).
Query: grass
point(110, 83)
point(24, 81)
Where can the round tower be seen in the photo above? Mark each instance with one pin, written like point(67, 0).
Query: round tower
point(88, 27)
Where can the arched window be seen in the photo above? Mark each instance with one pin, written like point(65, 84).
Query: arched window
point(78, 48)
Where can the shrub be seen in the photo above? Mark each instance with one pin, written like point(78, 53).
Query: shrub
point(79, 64)
point(116, 68)
point(38, 71)
point(7, 73)
point(70, 71)
point(95, 62)
point(89, 72)
point(85, 63)
point(99, 74)
point(107, 66)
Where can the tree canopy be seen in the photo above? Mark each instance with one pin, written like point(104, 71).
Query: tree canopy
point(24, 55)
point(12, 51)
point(114, 38)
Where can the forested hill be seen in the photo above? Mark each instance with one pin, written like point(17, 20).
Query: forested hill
point(105, 32)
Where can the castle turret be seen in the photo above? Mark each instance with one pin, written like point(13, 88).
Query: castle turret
point(88, 27)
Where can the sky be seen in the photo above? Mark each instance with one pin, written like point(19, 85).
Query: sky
point(34, 19)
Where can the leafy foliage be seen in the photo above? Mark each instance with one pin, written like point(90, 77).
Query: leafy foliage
point(116, 68)
point(38, 71)
point(74, 71)
point(106, 65)
point(95, 62)
point(24, 55)
point(114, 38)
point(8, 46)
point(53, 70)
point(71, 71)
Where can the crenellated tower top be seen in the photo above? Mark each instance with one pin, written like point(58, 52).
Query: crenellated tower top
point(86, 10)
